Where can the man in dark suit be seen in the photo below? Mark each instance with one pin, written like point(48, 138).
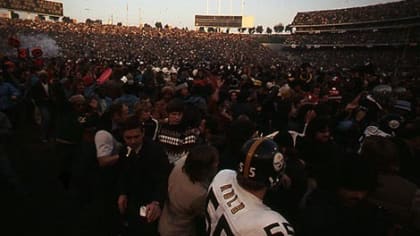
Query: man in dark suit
point(143, 181)
point(43, 96)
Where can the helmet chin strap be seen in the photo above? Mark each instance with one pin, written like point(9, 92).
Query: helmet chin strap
point(249, 156)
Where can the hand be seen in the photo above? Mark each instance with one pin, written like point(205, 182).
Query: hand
point(310, 115)
point(312, 183)
point(360, 115)
point(122, 203)
point(93, 104)
point(219, 82)
point(285, 181)
point(351, 106)
point(153, 211)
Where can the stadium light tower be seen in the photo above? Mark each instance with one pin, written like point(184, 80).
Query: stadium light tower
point(219, 7)
point(140, 17)
point(87, 12)
point(231, 7)
point(126, 16)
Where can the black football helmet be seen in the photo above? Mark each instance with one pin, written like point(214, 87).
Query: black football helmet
point(261, 161)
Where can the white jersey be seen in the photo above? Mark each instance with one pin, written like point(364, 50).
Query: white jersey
point(231, 210)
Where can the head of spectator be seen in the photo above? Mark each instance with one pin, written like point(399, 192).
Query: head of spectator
point(132, 132)
point(173, 75)
point(182, 90)
point(381, 95)
point(78, 103)
point(9, 66)
point(175, 111)
point(79, 87)
point(129, 87)
point(285, 142)
point(240, 131)
point(201, 163)
point(403, 107)
point(118, 113)
point(167, 93)
point(382, 153)
point(354, 179)
point(143, 110)
point(301, 110)
point(410, 132)
point(43, 76)
point(233, 95)
point(319, 130)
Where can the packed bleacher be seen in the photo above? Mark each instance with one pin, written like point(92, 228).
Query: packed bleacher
point(379, 12)
point(385, 33)
point(359, 38)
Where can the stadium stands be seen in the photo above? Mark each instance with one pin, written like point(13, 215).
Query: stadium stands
point(389, 29)
point(374, 13)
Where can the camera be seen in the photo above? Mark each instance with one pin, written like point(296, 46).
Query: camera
point(142, 211)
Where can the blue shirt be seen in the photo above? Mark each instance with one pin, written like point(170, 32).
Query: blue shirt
point(7, 90)
point(129, 100)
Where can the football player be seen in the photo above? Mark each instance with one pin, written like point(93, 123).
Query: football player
point(234, 203)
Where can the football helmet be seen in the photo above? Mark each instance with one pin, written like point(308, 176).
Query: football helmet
point(261, 161)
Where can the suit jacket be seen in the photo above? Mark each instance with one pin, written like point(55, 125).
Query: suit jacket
point(144, 176)
point(41, 97)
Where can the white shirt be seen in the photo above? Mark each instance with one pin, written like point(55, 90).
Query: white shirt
point(45, 86)
point(105, 144)
point(231, 210)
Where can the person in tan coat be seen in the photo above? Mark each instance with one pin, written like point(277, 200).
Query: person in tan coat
point(183, 212)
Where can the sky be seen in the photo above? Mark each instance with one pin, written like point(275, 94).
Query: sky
point(181, 13)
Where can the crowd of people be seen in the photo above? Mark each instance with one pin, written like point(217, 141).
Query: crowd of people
point(368, 26)
point(393, 10)
point(166, 47)
point(392, 62)
point(388, 37)
point(140, 120)
point(384, 33)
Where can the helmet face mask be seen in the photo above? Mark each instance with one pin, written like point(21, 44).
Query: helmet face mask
point(261, 161)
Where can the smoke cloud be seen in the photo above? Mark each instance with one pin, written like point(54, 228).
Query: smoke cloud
point(47, 44)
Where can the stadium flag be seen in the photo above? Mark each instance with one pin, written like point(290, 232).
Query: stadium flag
point(23, 53)
point(36, 52)
point(104, 76)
